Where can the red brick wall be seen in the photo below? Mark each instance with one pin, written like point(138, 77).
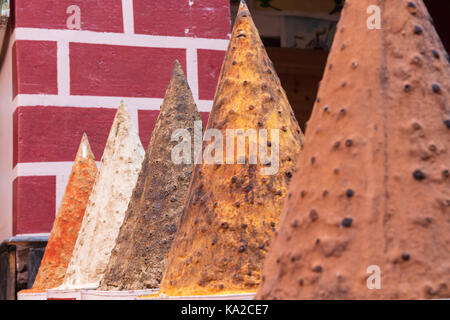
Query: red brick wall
point(51, 133)
point(202, 19)
point(96, 15)
point(35, 70)
point(33, 204)
point(124, 71)
point(66, 82)
point(208, 60)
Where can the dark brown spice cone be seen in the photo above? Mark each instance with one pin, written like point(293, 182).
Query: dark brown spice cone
point(140, 253)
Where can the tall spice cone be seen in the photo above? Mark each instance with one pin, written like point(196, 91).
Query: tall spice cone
point(372, 189)
point(140, 254)
point(232, 209)
point(119, 171)
point(68, 221)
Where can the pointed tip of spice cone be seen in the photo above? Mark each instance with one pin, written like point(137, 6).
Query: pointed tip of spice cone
point(122, 109)
point(178, 93)
point(243, 12)
point(84, 150)
point(177, 64)
point(122, 116)
point(178, 98)
point(243, 5)
point(178, 70)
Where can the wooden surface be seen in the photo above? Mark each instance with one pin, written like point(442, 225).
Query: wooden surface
point(11, 276)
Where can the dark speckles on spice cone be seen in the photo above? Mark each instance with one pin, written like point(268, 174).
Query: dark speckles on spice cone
point(140, 254)
point(419, 175)
point(347, 222)
point(398, 216)
point(243, 197)
point(417, 29)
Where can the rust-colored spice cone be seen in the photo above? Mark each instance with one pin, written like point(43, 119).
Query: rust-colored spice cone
point(232, 209)
point(140, 253)
point(372, 187)
point(68, 220)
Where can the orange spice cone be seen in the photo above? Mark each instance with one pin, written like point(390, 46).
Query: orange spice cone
point(368, 216)
point(68, 221)
point(140, 253)
point(232, 209)
point(120, 166)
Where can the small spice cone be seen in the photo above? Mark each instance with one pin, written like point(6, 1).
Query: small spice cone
point(68, 221)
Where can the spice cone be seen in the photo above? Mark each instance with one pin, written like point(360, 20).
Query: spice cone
point(119, 171)
point(68, 221)
point(368, 216)
point(140, 253)
point(232, 209)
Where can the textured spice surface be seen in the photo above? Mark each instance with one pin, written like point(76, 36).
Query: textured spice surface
point(140, 254)
point(378, 192)
point(232, 209)
point(68, 221)
point(120, 166)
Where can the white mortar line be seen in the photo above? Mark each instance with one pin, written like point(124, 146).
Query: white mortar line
point(61, 182)
point(31, 100)
point(63, 68)
point(128, 16)
point(120, 39)
point(60, 170)
point(192, 71)
point(14, 104)
point(204, 105)
point(41, 169)
point(25, 100)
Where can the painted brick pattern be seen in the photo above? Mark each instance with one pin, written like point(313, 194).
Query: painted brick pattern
point(104, 70)
point(147, 122)
point(67, 82)
point(33, 204)
point(35, 70)
point(96, 15)
point(183, 18)
point(52, 133)
point(209, 65)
